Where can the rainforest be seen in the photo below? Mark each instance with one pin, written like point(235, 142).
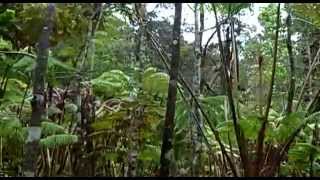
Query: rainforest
point(160, 89)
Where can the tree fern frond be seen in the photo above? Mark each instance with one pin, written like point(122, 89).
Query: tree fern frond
point(50, 128)
point(58, 140)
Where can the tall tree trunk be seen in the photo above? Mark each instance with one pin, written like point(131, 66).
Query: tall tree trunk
point(38, 102)
point(291, 63)
point(196, 89)
point(167, 149)
point(140, 51)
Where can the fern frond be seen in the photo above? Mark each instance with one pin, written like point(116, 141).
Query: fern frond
point(50, 128)
point(58, 140)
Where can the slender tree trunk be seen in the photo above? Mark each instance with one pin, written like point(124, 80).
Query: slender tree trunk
point(196, 88)
point(235, 58)
point(140, 51)
point(291, 63)
point(167, 149)
point(38, 103)
point(260, 90)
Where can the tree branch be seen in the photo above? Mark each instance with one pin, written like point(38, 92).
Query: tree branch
point(19, 53)
point(311, 68)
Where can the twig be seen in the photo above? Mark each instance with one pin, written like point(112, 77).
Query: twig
point(19, 53)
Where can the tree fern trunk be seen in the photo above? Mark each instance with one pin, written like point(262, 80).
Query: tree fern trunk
point(38, 103)
point(135, 123)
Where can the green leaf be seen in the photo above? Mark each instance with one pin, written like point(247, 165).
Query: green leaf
point(110, 84)
point(5, 44)
point(150, 153)
point(25, 64)
point(54, 63)
point(7, 16)
point(53, 110)
point(51, 128)
point(70, 108)
point(58, 140)
point(108, 120)
point(156, 83)
point(149, 71)
point(250, 126)
point(112, 156)
point(288, 125)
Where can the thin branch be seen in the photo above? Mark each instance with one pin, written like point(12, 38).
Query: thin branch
point(23, 99)
point(19, 53)
point(311, 68)
point(204, 51)
point(197, 120)
point(305, 21)
point(312, 104)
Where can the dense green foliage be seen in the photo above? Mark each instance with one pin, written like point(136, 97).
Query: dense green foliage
point(123, 85)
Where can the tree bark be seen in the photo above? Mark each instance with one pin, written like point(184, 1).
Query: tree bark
point(38, 102)
point(196, 88)
point(140, 51)
point(166, 149)
point(291, 63)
